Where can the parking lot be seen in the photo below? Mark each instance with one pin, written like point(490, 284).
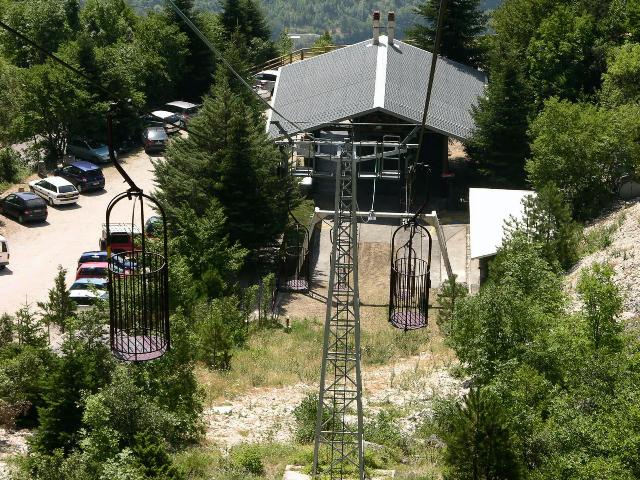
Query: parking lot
point(37, 249)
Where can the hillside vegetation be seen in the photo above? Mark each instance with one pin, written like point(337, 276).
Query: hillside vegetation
point(348, 21)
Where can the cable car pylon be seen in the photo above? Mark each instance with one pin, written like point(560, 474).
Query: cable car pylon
point(339, 446)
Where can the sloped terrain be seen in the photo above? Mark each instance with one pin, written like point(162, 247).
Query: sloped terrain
point(613, 239)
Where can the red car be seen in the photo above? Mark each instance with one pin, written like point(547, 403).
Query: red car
point(123, 237)
point(93, 270)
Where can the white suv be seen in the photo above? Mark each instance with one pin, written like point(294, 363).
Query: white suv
point(4, 252)
point(55, 190)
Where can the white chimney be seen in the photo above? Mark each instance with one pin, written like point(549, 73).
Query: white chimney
point(391, 27)
point(376, 27)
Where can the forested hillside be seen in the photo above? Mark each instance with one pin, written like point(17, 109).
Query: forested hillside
point(348, 21)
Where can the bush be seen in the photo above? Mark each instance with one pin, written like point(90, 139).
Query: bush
point(11, 165)
point(248, 458)
point(306, 415)
point(602, 304)
point(383, 430)
point(219, 326)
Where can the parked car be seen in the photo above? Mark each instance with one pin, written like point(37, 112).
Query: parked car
point(101, 256)
point(55, 190)
point(86, 291)
point(89, 150)
point(185, 110)
point(93, 256)
point(84, 175)
point(93, 270)
point(154, 139)
point(4, 252)
point(122, 237)
point(153, 226)
point(161, 118)
point(266, 80)
point(25, 206)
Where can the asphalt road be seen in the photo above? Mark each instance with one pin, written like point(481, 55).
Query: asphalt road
point(37, 249)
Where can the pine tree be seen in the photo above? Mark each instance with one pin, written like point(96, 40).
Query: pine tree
point(479, 446)
point(245, 16)
point(29, 329)
point(500, 144)
point(200, 62)
point(60, 307)
point(547, 221)
point(229, 158)
point(324, 41)
point(82, 368)
point(464, 22)
point(153, 459)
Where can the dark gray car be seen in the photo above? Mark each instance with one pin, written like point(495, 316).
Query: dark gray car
point(154, 139)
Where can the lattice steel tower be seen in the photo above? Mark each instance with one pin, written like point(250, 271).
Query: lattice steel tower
point(338, 441)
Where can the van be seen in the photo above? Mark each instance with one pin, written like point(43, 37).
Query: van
point(122, 237)
point(4, 252)
point(185, 110)
point(169, 120)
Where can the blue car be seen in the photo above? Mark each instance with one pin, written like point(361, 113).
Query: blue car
point(84, 175)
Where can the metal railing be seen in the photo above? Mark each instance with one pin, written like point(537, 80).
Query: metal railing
point(295, 56)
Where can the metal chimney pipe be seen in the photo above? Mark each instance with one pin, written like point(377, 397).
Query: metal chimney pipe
point(376, 27)
point(391, 27)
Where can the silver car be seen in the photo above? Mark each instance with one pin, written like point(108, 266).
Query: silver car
point(89, 150)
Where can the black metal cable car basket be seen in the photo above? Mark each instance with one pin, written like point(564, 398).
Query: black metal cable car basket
point(410, 278)
point(138, 289)
point(294, 273)
point(138, 277)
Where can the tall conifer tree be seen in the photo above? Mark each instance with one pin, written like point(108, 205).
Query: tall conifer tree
point(229, 160)
point(464, 22)
point(500, 144)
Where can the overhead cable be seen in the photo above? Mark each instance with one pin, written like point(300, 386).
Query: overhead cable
point(211, 47)
point(80, 73)
point(432, 72)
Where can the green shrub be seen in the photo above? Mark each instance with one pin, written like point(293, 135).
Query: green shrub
point(383, 430)
point(600, 237)
point(249, 458)
point(306, 415)
point(11, 165)
point(450, 291)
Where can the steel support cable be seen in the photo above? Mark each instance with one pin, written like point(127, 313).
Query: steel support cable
point(219, 55)
point(432, 72)
point(80, 73)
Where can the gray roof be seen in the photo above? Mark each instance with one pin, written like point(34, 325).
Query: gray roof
point(364, 78)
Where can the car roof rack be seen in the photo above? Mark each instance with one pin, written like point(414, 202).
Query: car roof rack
point(122, 228)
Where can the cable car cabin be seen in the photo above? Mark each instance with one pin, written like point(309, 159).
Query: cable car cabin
point(410, 277)
point(294, 267)
point(138, 293)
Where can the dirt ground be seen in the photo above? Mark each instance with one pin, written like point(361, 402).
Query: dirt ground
point(37, 250)
point(266, 414)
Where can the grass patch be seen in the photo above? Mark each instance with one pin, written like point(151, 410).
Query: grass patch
point(248, 461)
point(275, 358)
point(383, 344)
point(600, 237)
point(272, 358)
point(304, 211)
